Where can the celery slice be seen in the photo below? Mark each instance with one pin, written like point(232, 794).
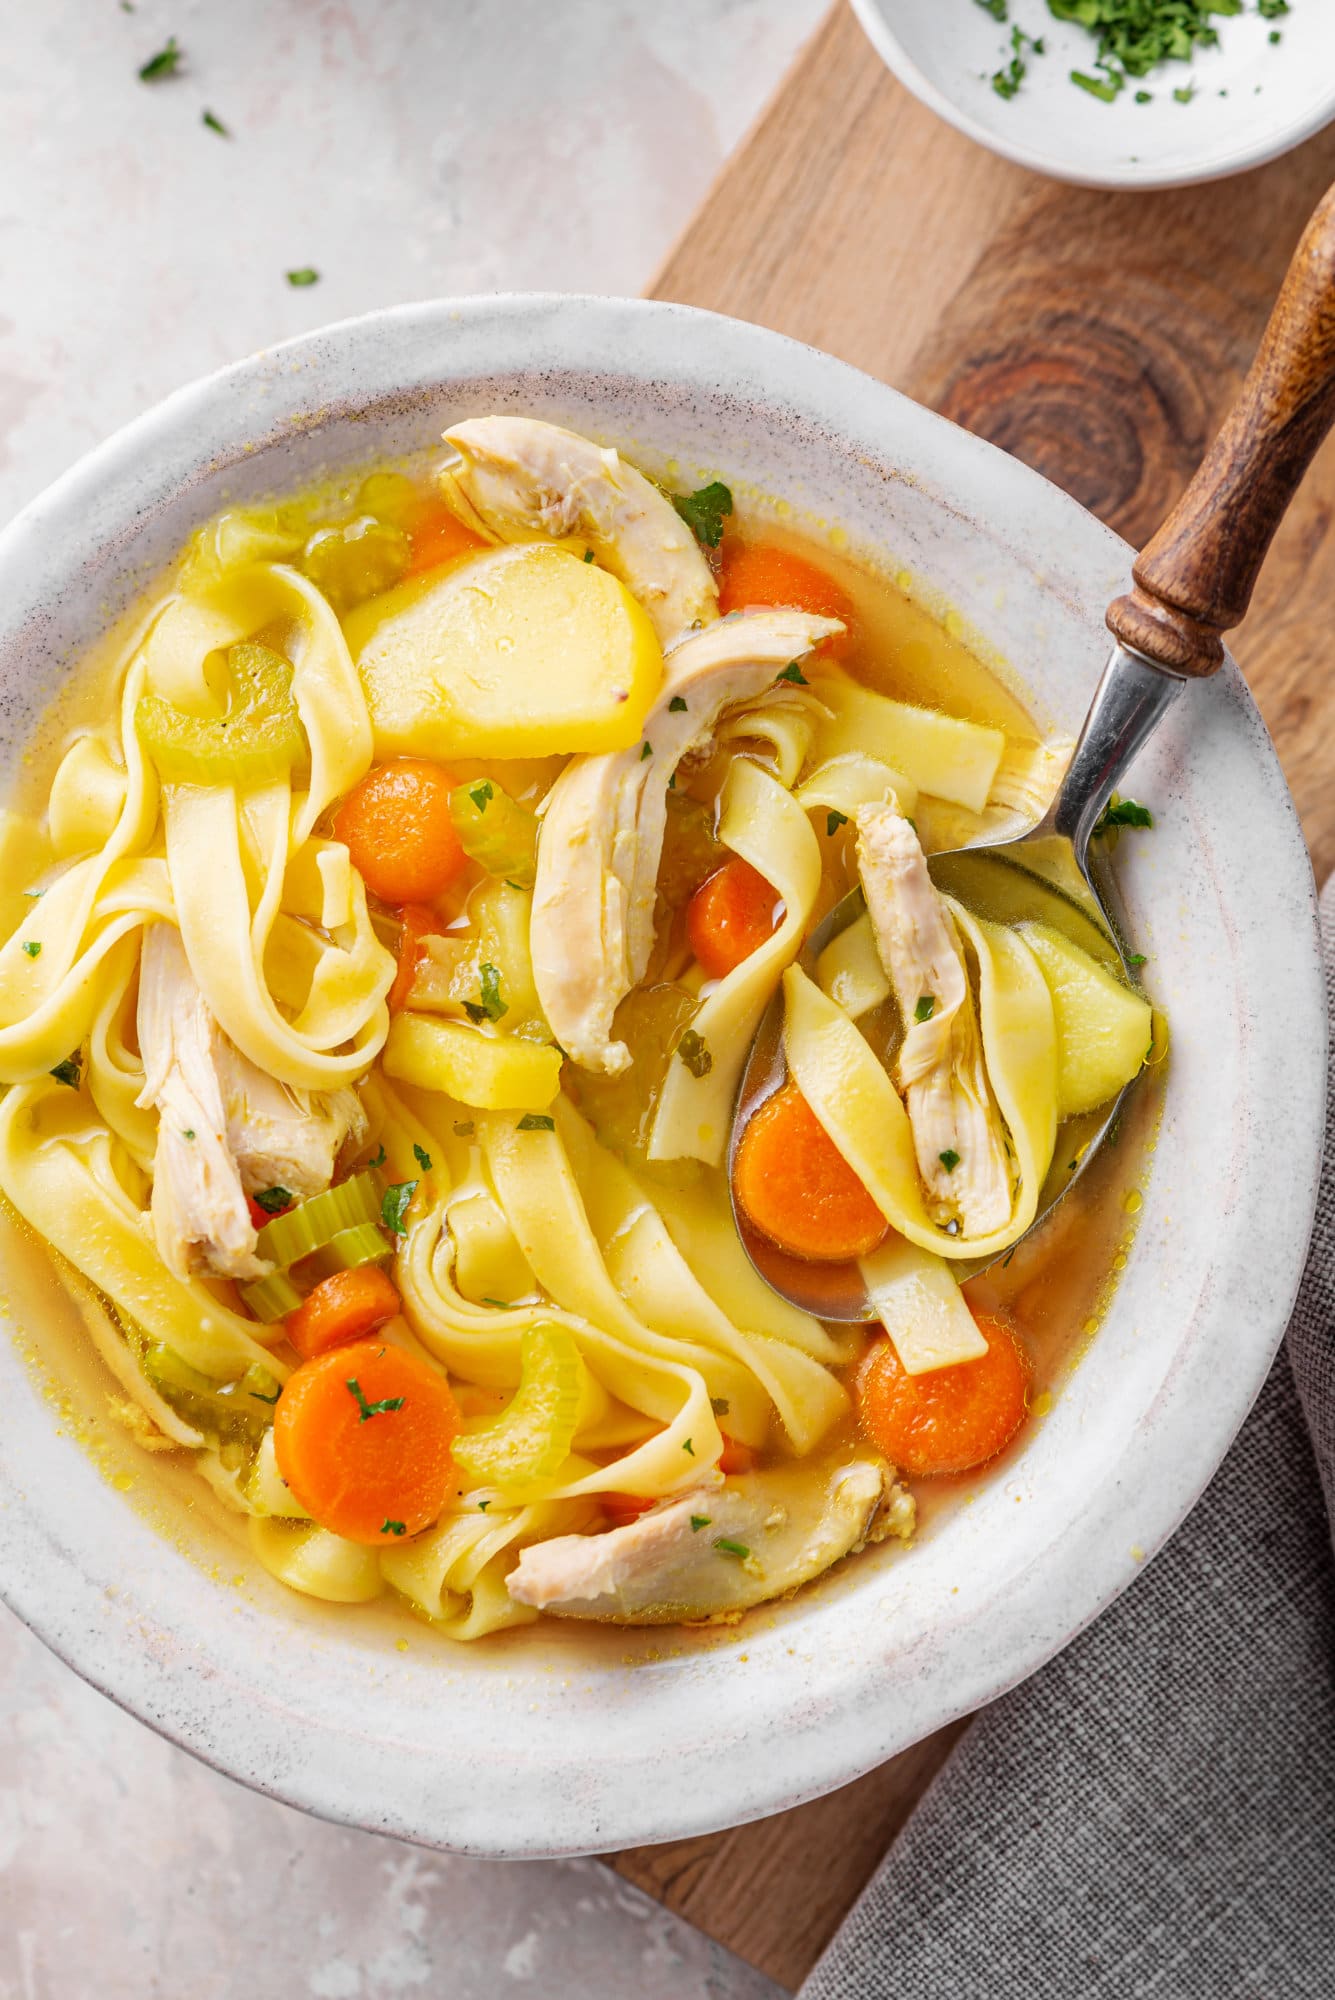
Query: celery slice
point(531, 1438)
point(495, 831)
point(312, 1223)
point(356, 560)
point(259, 739)
point(233, 1413)
point(272, 1298)
point(363, 1244)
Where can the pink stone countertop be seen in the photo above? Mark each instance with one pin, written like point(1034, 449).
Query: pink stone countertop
point(404, 150)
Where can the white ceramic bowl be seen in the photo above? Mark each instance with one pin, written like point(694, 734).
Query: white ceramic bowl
point(1253, 99)
point(561, 1739)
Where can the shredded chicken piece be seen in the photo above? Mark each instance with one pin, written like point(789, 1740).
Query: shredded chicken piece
point(958, 1133)
point(715, 1551)
point(519, 478)
point(604, 818)
point(225, 1127)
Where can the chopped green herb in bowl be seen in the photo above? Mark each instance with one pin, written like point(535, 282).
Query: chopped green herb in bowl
point(1118, 93)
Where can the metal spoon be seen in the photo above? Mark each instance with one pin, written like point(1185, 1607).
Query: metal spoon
point(1193, 583)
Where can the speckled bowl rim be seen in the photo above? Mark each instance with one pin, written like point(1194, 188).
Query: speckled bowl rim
point(594, 1772)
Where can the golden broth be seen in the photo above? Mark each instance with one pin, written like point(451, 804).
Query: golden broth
point(1054, 1286)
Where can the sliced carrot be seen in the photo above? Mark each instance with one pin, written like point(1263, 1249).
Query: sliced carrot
point(730, 916)
point(756, 574)
point(623, 1508)
point(437, 537)
point(346, 1306)
point(795, 1186)
point(399, 831)
point(953, 1418)
point(362, 1436)
point(735, 1457)
point(416, 921)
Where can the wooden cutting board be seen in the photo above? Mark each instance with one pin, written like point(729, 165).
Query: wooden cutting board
point(1098, 337)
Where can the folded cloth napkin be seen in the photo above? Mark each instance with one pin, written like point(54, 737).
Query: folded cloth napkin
point(1154, 1812)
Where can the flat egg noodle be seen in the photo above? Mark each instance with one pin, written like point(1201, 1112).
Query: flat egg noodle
point(855, 1100)
point(762, 822)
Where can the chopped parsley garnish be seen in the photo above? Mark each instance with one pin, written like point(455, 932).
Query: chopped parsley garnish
point(1135, 958)
point(588, 555)
point(834, 820)
point(273, 1200)
point(536, 1121)
point(68, 1071)
point(950, 1159)
point(379, 1159)
point(689, 1447)
point(1008, 79)
point(501, 1305)
point(793, 672)
point(1123, 812)
point(719, 1405)
point(705, 511)
point(307, 275)
point(699, 1521)
point(215, 124)
point(260, 1396)
point(482, 1506)
point(694, 1053)
point(393, 1528)
point(482, 793)
point(187, 1135)
point(32, 893)
point(464, 1128)
point(727, 1547)
point(165, 63)
point(646, 750)
point(1105, 87)
point(394, 1206)
point(925, 1008)
point(422, 1157)
point(489, 986)
point(1132, 36)
point(33, 949)
point(369, 1410)
point(677, 705)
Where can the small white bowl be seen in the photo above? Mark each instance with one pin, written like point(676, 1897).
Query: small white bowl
point(560, 1739)
point(1252, 99)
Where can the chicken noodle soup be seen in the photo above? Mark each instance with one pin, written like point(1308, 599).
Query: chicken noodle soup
point(377, 998)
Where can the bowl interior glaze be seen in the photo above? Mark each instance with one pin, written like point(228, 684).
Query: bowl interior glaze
point(556, 1740)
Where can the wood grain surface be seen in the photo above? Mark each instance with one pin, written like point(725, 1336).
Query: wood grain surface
point(1100, 337)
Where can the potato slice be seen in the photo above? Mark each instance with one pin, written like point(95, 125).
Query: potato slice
point(493, 1072)
point(521, 651)
point(1103, 1028)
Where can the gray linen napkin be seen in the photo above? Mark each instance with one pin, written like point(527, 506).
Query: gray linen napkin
point(1154, 1812)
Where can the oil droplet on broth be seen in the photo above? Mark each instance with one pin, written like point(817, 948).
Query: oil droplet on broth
point(1133, 1202)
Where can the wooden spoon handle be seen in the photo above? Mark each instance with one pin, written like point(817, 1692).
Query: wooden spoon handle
point(1196, 576)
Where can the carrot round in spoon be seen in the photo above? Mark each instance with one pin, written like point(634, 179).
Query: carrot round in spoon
point(796, 1188)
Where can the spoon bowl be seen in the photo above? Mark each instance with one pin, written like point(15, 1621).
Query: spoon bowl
point(1050, 875)
point(1193, 582)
